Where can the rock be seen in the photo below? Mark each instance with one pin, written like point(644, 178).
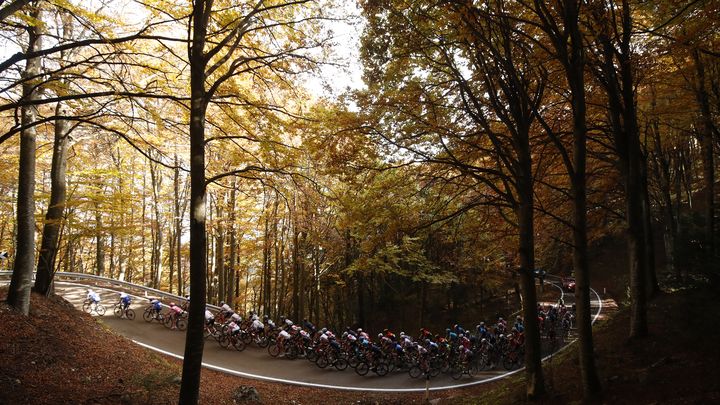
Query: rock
point(244, 393)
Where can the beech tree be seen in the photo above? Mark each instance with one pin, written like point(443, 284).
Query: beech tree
point(21, 282)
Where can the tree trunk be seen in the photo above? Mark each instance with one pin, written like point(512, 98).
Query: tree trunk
point(635, 205)
point(652, 286)
point(178, 226)
point(623, 121)
point(194, 341)
point(576, 79)
point(535, 383)
point(705, 133)
point(21, 282)
point(156, 254)
point(99, 246)
point(296, 274)
point(220, 255)
point(231, 291)
point(661, 169)
point(53, 217)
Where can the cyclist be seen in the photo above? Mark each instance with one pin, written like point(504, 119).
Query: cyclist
point(175, 312)
point(519, 324)
point(125, 303)
point(156, 306)
point(257, 325)
point(225, 309)
point(93, 297)
point(309, 326)
point(286, 323)
point(209, 317)
point(269, 322)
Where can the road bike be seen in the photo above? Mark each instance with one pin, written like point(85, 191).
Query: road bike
point(122, 312)
point(90, 306)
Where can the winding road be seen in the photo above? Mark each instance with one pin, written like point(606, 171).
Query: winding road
point(255, 363)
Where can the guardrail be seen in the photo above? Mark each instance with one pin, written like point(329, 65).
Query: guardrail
point(124, 284)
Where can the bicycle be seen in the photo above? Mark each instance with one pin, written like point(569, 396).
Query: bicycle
point(179, 320)
point(92, 306)
point(120, 311)
point(232, 339)
point(150, 314)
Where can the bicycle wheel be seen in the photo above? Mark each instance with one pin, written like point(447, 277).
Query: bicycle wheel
point(322, 361)
point(340, 364)
point(86, 307)
point(238, 344)
point(224, 341)
point(292, 353)
point(147, 315)
point(472, 369)
point(130, 314)
point(182, 324)
point(381, 369)
point(274, 350)
point(246, 337)
point(167, 321)
point(362, 368)
point(261, 341)
point(456, 372)
point(415, 372)
point(434, 371)
point(117, 310)
point(353, 361)
point(100, 309)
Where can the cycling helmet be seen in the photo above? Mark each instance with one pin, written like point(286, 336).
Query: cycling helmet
point(222, 303)
point(323, 330)
point(172, 304)
point(380, 335)
point(359, 330)
point(265, 317)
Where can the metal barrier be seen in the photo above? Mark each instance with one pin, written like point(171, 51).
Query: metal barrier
point(91, 277)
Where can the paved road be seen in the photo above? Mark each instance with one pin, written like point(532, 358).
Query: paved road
point(255, 362)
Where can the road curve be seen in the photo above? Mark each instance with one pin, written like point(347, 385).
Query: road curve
point(255, 363)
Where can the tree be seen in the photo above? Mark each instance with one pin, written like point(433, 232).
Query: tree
point(21, 282)
point(614, 70)
point(560, 21)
